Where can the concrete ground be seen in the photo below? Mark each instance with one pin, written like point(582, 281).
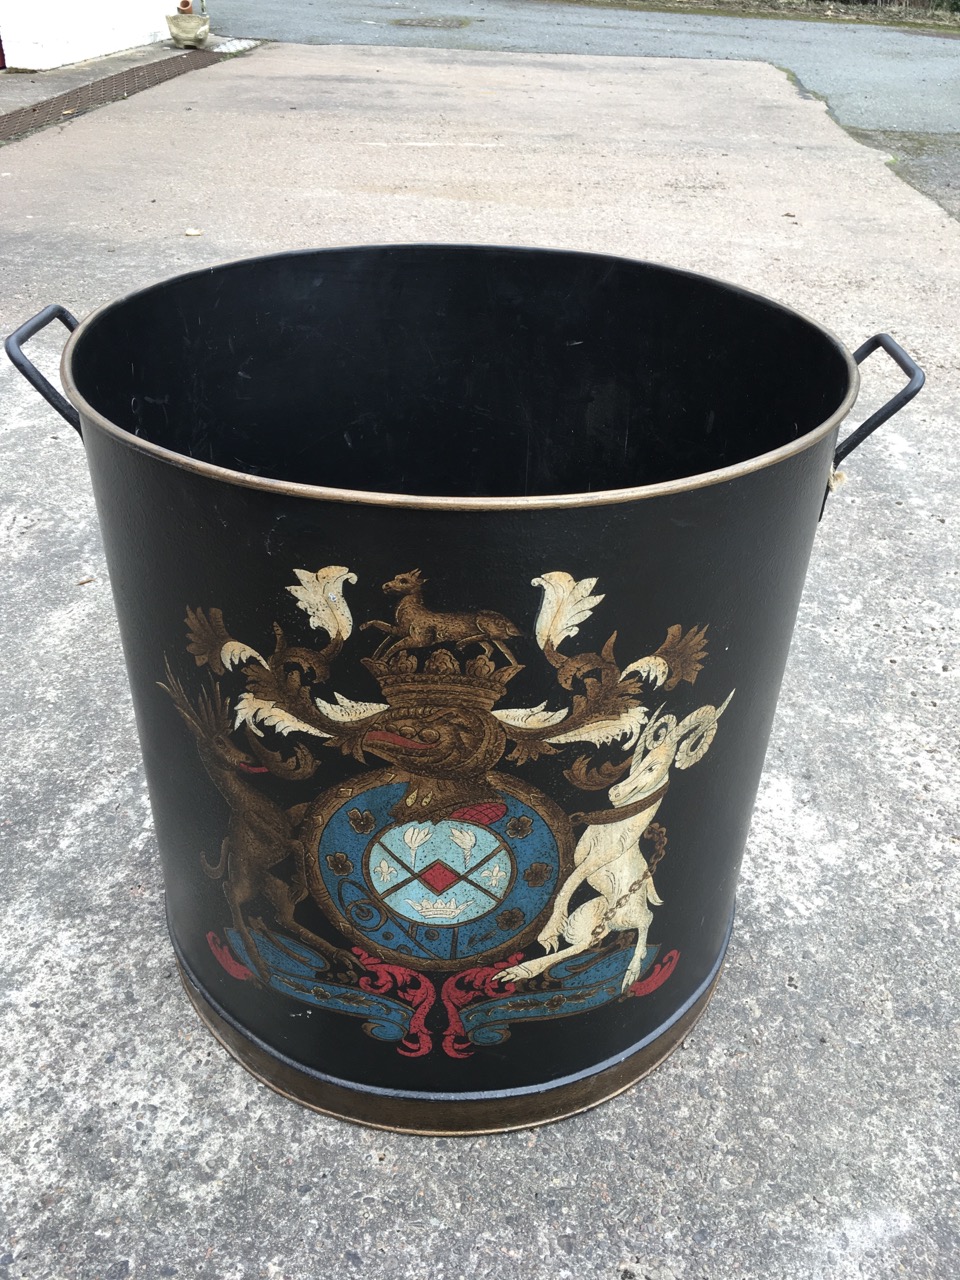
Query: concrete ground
point(874, 76)
point(808, 1129)
point(897, 90)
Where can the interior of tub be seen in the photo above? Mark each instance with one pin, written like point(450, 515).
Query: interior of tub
point(458, 371)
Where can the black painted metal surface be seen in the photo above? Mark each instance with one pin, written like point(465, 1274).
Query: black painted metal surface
point(452, 777)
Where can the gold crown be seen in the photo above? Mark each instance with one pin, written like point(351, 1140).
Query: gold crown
point(421, 689)
point(443, 681)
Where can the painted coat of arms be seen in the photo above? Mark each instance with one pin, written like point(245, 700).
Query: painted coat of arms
point(437, 894)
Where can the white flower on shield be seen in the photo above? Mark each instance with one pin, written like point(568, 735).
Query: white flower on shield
point(414, 837)
point(465, 840)
point(384, 872)
point(493, 875)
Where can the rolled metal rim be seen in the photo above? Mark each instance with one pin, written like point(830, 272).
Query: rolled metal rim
point(448, 1115)
point(308, 1084)
point(325, 493)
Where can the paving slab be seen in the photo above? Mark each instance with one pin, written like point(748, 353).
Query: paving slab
point(808, 1126)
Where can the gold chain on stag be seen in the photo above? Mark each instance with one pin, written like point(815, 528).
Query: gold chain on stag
point(658, 835)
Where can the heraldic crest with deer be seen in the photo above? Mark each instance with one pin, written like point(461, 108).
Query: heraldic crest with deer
point(457, 897)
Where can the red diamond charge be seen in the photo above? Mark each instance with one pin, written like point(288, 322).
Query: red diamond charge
point(438, 876)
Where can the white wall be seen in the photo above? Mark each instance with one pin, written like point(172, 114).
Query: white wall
point(39, 34)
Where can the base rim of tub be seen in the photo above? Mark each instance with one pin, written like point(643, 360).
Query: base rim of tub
point(438, 1117)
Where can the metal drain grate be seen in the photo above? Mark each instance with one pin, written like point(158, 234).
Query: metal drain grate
point(65, 106)
point(444, 24)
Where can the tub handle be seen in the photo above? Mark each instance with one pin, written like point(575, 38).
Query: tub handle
point(14, 349)
point(894, 405)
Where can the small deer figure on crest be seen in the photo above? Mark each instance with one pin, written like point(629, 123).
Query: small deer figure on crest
point(417, 627)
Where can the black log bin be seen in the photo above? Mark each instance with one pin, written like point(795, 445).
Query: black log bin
point(455, 586)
